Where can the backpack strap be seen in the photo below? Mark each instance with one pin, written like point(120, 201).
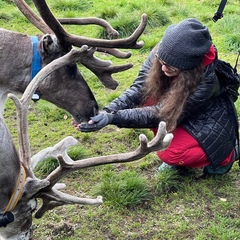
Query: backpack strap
point(235, 71)
point(219, 13)
point(235, 67)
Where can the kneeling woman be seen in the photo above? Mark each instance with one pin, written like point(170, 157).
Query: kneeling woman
point(177, 84)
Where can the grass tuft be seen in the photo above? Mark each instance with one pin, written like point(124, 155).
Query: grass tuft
point(157, 17)
point(125, 24)
point(167, 181)
point(49, 111)
point(70, 5)
point(43, 168)
point(108, 12)
point(125, 189)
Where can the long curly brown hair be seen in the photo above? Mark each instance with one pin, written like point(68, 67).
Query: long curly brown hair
point(170, 93)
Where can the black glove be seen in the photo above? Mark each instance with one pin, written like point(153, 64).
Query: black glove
point(100, 121)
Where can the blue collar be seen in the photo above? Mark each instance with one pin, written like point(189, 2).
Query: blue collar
point(36, 60)
point(36, 64)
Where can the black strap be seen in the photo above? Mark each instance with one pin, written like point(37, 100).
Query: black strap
point(219, 13)
point(235, 71)
point(236, 64)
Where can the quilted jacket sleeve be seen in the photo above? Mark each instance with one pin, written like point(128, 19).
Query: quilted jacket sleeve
point(144, 117)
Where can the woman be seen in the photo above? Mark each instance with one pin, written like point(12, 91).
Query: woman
point(177, 84)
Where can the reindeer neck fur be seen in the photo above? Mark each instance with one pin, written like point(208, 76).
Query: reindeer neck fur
point(16, 49)
point(15, 52)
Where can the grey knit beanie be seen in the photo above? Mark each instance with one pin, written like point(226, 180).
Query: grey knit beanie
point(183, 45)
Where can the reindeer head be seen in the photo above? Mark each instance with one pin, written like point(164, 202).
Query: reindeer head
point(65, 87)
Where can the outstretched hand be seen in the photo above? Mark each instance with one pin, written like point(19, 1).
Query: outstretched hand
point(95, 123)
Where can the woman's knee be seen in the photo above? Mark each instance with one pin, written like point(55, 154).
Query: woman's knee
point(171, 157)
point(193, 157)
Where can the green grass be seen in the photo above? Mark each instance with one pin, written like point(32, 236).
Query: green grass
point(139, 203)
point(123, 189)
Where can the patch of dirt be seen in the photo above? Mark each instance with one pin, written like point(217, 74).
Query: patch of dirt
point(61, 230)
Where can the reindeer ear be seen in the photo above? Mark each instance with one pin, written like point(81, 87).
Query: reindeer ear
point(48, 45)
point(49, 48)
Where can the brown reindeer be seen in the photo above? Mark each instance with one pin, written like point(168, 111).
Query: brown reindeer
point(16, 54)
point(58, 79)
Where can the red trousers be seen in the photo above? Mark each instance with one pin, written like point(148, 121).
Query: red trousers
point(184, 150)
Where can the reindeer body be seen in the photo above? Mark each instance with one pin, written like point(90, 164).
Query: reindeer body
point(15, 54)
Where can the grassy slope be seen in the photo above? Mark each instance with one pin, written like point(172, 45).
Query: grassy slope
point(197, 208)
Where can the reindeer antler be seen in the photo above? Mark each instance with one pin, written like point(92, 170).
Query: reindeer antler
point(71, 39)
point(112, 33)
point(50, 24)
point(103, 69)
point(32, 17)
point(159, 142)
point(34, 187)
point(53, 198)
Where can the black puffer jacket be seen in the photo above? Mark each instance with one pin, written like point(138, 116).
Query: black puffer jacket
point(209, 114)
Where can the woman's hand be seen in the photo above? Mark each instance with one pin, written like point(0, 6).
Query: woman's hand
point(96, 123)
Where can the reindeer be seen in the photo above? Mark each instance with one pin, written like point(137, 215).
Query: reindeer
point(20, 53)
point(19, 187)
